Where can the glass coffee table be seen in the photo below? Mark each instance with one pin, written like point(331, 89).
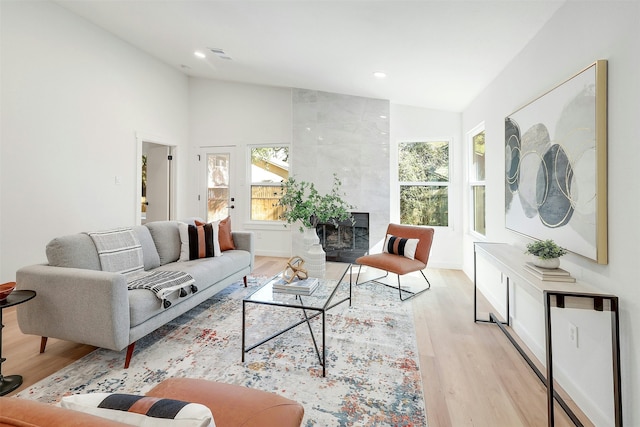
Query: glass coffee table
point(311, 306)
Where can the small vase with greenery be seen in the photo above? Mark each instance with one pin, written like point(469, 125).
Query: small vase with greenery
point(546, 252)
point(303, 202)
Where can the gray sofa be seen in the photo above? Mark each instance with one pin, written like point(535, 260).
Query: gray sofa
point(77, 301)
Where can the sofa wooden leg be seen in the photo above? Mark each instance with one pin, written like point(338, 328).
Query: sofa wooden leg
point(43, 343)
point(245, 281)
point(127, 360)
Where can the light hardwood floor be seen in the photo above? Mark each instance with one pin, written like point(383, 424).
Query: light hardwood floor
point(471, 374)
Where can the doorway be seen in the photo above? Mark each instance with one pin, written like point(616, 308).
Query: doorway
point(218, 193)
point(154, 194)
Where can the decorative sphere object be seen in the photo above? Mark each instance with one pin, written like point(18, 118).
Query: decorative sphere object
point(294, 269)
point(6, 289)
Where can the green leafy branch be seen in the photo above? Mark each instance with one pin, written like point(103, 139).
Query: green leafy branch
point(545, 249)
point(303, 202)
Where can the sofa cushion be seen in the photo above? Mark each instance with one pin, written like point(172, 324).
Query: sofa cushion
point(73, 251)
point(206, 272)
point(166, 237)
point(141, 410)
point(149, 252)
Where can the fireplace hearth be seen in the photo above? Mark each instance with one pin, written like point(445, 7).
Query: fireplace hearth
point(348, 241)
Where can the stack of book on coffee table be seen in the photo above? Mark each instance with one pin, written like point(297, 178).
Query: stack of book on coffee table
point(549, 274)
point(298, 287)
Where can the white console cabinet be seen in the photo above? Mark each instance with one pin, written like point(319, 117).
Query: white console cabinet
point(510, 261)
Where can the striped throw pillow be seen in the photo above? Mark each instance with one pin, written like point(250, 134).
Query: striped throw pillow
point(215, 227)
point(141, 410)
point(198, 241)
point(400, 246)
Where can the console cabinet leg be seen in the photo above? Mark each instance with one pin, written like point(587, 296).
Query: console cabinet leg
point(43, 343)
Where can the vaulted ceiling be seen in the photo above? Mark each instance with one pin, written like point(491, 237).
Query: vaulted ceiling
point(436, 53)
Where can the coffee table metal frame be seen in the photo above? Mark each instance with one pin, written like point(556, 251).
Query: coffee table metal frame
point(298, 301)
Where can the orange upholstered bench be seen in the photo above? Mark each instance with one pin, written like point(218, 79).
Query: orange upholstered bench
point(231, 406)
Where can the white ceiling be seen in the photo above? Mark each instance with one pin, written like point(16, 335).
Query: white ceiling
point(437, 53)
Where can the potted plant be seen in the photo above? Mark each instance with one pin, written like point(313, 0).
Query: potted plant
point(546, 253)
point(303, 202)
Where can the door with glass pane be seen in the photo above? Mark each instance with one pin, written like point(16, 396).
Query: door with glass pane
point(217, 198)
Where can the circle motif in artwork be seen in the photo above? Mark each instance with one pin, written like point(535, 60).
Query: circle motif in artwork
point(553, 189)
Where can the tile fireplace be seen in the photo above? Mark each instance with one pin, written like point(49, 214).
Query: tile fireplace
point(348, 241)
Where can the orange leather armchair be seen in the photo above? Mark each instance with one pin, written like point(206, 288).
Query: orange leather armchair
point(400, 264)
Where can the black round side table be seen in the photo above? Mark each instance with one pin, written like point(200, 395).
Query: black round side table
point(11, 382)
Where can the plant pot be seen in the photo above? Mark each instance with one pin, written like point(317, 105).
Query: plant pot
point(316, 260)
point(549, 263)
point(309, 238)
point(301, 241)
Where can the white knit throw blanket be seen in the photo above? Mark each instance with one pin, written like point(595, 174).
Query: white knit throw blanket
point(120, 251)
point(164, 283)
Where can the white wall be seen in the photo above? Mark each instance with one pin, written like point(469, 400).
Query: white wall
point(577, 35)
point(236, 114)
point(73, 98)
point(411, 124)
point(349, 136)
point(72, 110)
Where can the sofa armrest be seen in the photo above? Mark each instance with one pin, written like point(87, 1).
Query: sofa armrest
point(83, 306)
point(243, 240)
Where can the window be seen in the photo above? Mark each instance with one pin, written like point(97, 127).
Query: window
point(269, 167)
point(423, 176)
point(477, 179)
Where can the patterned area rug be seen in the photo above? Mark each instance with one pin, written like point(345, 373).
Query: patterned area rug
point(373, 376)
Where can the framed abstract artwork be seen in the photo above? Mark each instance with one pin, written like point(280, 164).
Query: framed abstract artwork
point(556, 165)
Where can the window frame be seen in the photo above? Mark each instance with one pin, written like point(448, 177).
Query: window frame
point(474, 183)
point(251, 184)
point(449, 183)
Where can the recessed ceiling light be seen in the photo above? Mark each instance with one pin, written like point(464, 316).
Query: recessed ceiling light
point(379, 74)
point(199, 54)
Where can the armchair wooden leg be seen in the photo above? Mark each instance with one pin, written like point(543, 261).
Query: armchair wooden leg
point(244, 279)
point(127, 360)
point(43, 343)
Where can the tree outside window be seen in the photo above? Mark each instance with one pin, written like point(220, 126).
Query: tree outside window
point(424, 183)
point(269, 167)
